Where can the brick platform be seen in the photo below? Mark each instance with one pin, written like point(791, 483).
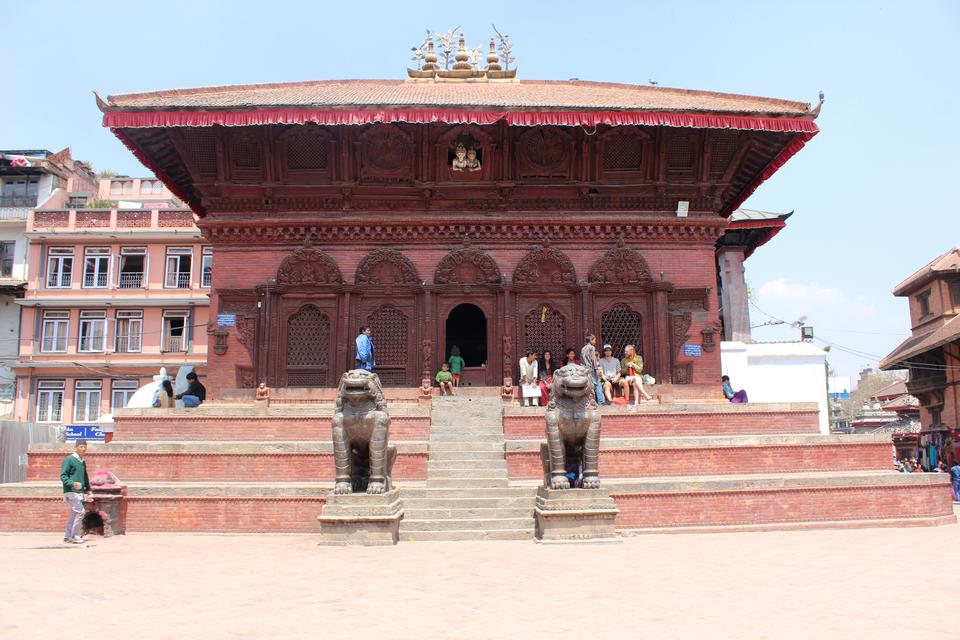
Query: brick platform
point(699, 466)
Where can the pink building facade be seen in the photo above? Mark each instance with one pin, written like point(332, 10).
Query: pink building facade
point(112, 296)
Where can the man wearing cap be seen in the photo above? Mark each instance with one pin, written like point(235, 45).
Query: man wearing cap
point(609, 372)
point(73, 476)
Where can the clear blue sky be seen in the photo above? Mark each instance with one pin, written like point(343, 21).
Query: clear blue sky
point(872, 192)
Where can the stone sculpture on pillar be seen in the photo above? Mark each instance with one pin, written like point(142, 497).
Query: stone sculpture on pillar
point(570, 504)
point(364, 507)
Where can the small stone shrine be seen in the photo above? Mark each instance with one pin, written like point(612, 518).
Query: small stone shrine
point(571, 505)
point(106, 510)
point(364, 508)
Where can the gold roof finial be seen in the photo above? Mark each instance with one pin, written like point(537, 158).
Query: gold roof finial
point(463, 57)
point(430, 60)
point(493, 60)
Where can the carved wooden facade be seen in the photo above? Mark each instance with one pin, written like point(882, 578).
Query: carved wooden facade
point(547, 232)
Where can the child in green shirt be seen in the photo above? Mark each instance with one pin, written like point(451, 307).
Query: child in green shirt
point(445, 380)
point(456, 364)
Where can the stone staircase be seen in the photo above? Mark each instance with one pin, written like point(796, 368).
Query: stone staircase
point(467, 494)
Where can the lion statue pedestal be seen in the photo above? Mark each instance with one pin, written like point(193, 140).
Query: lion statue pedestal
point(364, 508)
point(570, 505)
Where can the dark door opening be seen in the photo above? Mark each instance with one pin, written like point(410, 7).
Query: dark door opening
point(467, 329)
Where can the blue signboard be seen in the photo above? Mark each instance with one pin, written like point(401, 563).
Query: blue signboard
point(226, 319)
point(692, 350)
point(85, 431)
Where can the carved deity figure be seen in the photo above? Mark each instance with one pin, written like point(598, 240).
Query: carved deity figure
point(573, 429)
point(459, 162)
point(473, 163)
point(361, 427)
point(263, 392)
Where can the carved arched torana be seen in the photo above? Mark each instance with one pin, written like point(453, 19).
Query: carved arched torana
point(545, 328)
point(467, 266)
point(308, 266)
point(387, 267)
point(620, 266)
point(545, 266)
point(620, 326)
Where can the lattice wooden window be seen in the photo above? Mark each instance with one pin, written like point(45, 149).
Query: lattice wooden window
point(544, 328)
point(389, 326)
point(721, 153)
point(619, 327)
point(246, 153)
point(202, 150)
point(308, 338)
point(308, 152)
point(622, 152)
point(680, 159)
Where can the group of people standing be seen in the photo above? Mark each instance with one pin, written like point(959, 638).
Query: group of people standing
point(608, 373)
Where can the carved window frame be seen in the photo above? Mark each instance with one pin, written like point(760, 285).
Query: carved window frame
point(643, 173)
point(484, 140)
point(367, 169)
point(315, 133)
point(527, 169)
point(245, 135)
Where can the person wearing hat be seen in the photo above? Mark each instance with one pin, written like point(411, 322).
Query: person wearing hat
point(73, 476)
point(609, 372)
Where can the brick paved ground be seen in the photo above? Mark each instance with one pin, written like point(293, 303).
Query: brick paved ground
point(872, 584)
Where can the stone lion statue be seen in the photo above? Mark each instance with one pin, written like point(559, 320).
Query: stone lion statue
point(361, 427)
point(573, 430)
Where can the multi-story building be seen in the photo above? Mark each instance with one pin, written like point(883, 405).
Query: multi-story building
point(112, 296)
point(932, 352)
point(29, 179)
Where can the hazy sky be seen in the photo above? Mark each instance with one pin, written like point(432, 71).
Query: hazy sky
point(869, 192)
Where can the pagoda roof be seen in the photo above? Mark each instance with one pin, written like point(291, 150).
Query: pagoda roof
point(944, 263)
point(922, 342)
point(524, 94)
point(752, 229)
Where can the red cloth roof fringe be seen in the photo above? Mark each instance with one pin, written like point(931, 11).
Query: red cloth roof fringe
point(136, 119)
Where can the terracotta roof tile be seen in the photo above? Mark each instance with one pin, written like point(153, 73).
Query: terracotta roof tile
point(540, 94)
point(945, 262)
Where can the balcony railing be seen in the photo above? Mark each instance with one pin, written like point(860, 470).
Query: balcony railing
point(175, 344)
point(127, 343)
point(130, 281)
point(18, 201)
point(178, 280)
point(130, 220)
point(206, 279)
point(95, 280)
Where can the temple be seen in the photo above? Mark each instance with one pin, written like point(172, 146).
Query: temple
point(463, 206)
point(469, 209)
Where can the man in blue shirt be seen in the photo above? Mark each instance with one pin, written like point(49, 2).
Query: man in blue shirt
point(364, 358)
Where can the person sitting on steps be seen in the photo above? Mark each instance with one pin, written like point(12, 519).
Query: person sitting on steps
point(445, 380)
point(195, 394)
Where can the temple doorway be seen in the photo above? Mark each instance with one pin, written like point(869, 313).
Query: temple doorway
point(466, 328)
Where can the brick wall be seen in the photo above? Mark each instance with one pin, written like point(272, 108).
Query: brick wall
point(213, 467)
point(681, 423)
point(219, 514)
point(752, 507)
point(142, 428)
point(707, 460)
